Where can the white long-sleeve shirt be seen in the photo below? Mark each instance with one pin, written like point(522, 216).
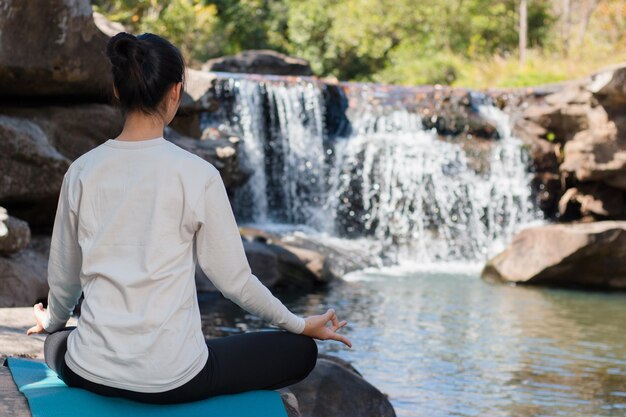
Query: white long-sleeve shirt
point(132, 220)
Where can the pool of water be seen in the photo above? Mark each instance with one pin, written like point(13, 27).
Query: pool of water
point(449, 344)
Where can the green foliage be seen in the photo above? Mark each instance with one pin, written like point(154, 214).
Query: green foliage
point(461, 42)
point(434, 68)
point(188, 24)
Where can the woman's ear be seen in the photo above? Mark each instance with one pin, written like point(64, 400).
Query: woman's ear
point(117, 96)
point(178, 90)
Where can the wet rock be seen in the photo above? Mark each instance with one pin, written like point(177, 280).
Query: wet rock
point(260, 62)
point(276, 266)
point(570, 255)
point(60, 52)
point(32, 169)
point(264, 264)
point(293, 269)
point(14, 233)
point(338, 259)
point(547, 188)
point(332, 389)
point(456, 113)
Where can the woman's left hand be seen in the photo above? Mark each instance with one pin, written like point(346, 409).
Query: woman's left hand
point(40, 313)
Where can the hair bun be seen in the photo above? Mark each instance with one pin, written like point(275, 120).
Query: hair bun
point(123, 49)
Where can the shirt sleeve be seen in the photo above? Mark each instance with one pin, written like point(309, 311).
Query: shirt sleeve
point(221, 256)
point(64, 264)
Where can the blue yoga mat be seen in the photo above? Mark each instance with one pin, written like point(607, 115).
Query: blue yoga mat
point(48, 396)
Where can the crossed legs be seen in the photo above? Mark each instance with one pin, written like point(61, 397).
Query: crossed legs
point(243, 362)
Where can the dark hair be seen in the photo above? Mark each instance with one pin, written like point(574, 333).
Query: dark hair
point(144, 67)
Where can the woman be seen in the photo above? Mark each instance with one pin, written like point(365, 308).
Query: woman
point(134, 216)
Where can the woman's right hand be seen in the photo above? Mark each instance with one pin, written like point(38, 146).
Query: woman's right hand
point(315, 327)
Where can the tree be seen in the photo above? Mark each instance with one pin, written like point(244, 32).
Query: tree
point(523, 30)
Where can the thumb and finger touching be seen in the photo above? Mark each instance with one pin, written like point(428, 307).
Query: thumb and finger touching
point(324, 332)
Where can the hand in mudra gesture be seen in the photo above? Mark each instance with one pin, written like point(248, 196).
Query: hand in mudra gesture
point(315, 327)
point(40, 313)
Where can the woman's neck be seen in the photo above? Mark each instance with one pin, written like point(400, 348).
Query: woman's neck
point(140, 127)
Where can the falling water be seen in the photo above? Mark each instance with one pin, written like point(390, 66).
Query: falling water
point(282, 129)
point(427, 198)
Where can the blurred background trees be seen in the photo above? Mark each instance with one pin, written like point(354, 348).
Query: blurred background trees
point(472, 43)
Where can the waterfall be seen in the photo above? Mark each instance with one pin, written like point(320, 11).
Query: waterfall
point(426, 198)
point(282, 128)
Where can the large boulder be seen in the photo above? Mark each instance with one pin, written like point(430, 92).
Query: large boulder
point(262, 61)
point(52, 48)
point(23, 275)
point(275, 266)
point(327, 259)
point(32, 169)
point(14, 233)
point(336, 389)
point(569, 255)
point(73, 129)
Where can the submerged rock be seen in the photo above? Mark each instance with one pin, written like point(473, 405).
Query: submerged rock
point(567, 255)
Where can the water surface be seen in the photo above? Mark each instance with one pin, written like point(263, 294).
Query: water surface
point(449, 344)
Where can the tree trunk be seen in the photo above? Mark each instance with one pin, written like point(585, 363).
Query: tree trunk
point(566, 21)
point(590, 7)
point(523, 30)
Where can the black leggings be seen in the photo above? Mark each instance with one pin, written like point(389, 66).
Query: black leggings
point(250, 361)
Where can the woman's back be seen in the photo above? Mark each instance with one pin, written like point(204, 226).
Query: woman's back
point(135, 205)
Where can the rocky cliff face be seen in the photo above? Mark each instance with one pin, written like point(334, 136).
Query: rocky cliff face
point(577, 136)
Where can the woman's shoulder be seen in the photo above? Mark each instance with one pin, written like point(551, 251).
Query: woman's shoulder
point(194, 163)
